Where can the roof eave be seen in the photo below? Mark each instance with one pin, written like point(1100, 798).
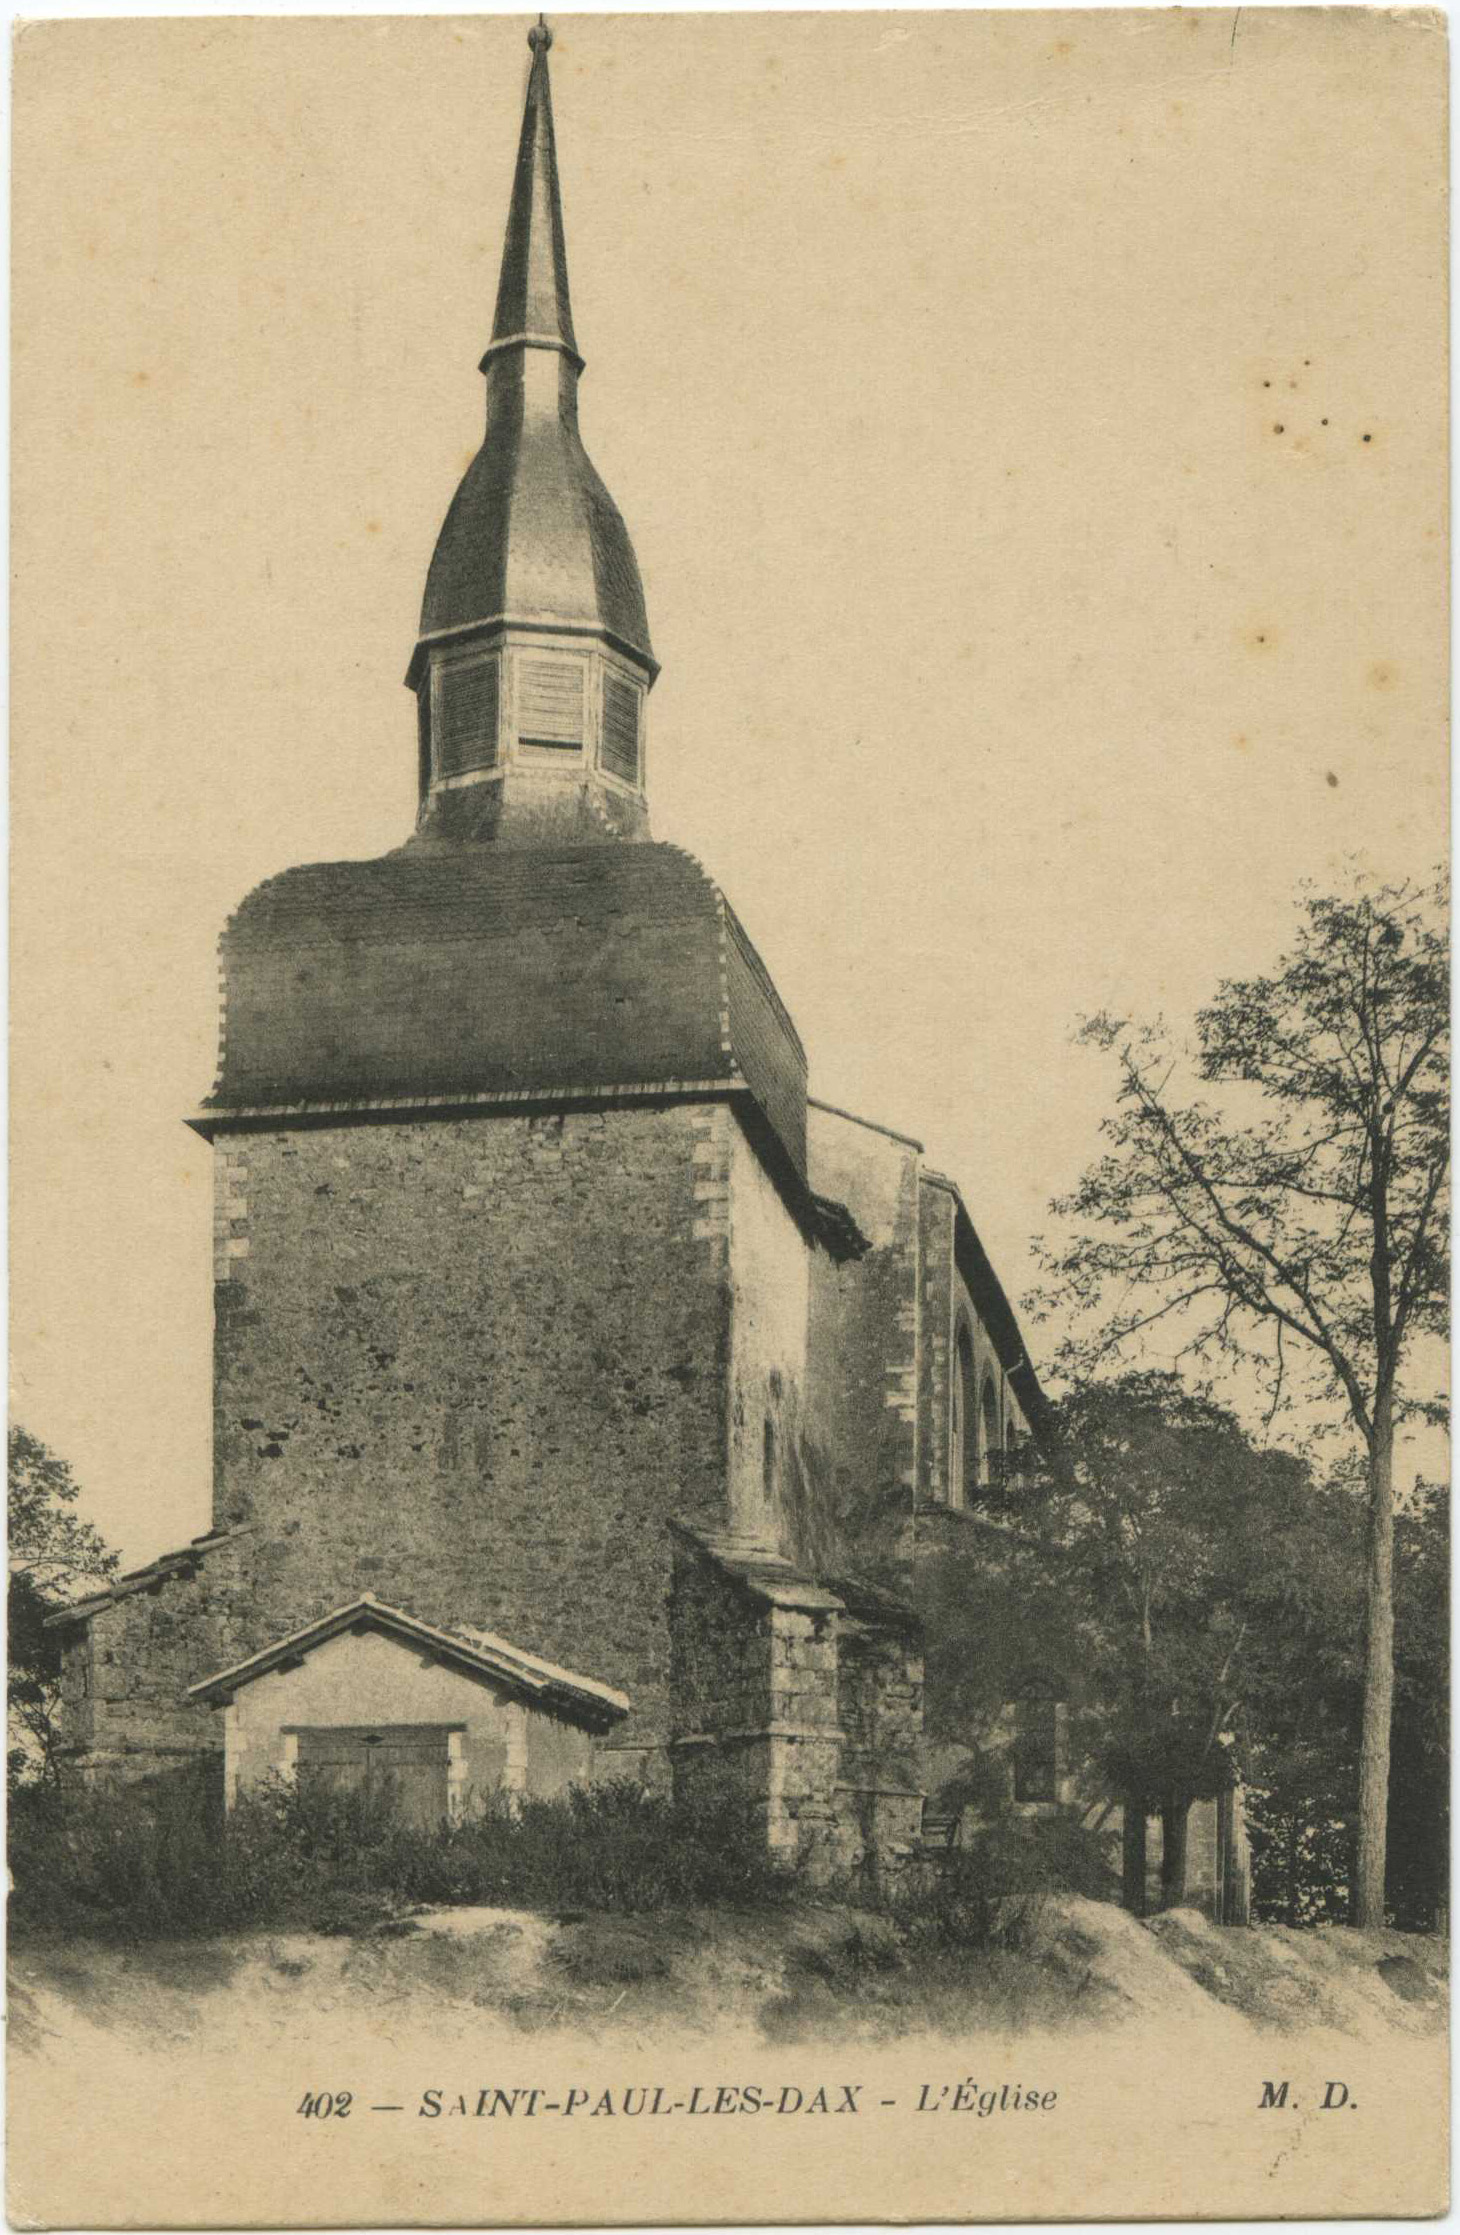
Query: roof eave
point(993, 1306)
point(582, 1698)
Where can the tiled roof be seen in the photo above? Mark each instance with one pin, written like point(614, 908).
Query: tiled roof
point(167, 1567)
point(483, 972)
point(478, 1651)
point(768, 1575)
point(874, 1604)
point(761, 1570)
point(993, 1307)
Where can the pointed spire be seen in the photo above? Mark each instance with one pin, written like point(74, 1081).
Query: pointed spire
point(532, 294)
point(533, 661)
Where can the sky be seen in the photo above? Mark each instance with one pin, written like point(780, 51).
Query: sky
point(1031, 431)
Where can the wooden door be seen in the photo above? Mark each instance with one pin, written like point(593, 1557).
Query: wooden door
point(399, 1767)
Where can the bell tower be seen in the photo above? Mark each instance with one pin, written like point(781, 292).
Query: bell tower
point(485, 1102)
point(533, 665)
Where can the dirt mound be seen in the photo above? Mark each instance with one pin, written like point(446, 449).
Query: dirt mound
point(1346, 1982)
point(788, 1974)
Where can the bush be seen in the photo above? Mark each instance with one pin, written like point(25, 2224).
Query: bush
point(991, 1891)
point(1302, 1858)
point(157, 1861)
point(151, 1862)
point(143, 1862)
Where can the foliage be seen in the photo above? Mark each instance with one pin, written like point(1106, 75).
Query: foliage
point(1422, 1585)
point(1302, 1852)
point(1303, 1769)
point(139, 1863)
point(1263, 1234)
point(992, 1890)
point(1197, 1600)
point(1157, 1552)
point(54, 1556)
point(61, 1553)
point(998, 1619)
point(1418, 1880)
point(1300, 1220)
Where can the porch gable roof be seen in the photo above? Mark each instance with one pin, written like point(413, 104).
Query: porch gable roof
point(478, 1652)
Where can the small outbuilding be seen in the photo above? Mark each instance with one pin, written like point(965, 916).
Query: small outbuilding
point(368, 1700)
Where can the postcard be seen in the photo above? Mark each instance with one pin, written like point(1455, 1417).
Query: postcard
point(729, 807)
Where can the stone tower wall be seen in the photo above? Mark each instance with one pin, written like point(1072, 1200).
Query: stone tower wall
point(475, 1365)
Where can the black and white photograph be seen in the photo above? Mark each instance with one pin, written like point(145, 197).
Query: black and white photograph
point(728, 1463)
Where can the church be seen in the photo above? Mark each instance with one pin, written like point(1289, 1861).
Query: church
point(588, 1396)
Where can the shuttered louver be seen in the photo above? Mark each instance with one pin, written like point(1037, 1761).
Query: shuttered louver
point(550, 703)
point(621, 728)
point(466, 717)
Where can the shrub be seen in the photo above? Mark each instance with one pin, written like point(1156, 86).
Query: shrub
point(157, 1861)
point(991, 1892)
point(142, 1862)
point(147, 1862)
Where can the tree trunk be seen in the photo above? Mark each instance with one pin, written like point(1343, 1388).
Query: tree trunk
point(1233, 1904)
point(1175, 1817)
point(1378, 1710)
point(1133, 1854)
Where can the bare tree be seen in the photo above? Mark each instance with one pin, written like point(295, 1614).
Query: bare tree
point(1303, 1222)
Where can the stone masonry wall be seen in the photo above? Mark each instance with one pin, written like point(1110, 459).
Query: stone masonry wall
point(475, 1365)
point(755, 1700)
point(862, 1412)
point(879, 1791)
point(936, 1275)
point(720, 1664)
point(801, 1804)
point(769, 1265)
point(124, 1673)
point(721, 1689)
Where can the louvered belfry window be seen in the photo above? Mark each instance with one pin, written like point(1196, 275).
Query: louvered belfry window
point(550, 704)
point(621, 728)
point(464, 716)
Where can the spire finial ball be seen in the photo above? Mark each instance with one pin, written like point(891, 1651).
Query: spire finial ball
point(539, 38)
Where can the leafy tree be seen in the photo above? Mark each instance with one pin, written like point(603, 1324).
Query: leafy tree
point(1175, 1533)
point(54, 1556)
point(1303, 1765)
point(1150, 1573)
point(1301, 1222)
point(1000, 1622)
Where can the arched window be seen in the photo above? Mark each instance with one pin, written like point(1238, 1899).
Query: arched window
point(768, 1461)
point(963, 1472)
point(989, 1438)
